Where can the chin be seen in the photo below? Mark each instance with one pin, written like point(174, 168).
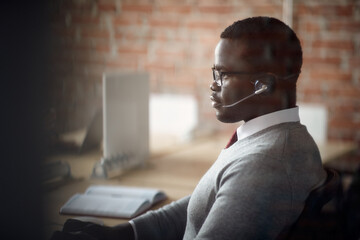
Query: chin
point(226, 118)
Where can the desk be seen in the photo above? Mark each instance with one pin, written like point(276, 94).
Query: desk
point(334, 150)
point(176, 172)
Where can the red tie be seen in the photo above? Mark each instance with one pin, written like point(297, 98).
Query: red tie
point(232, 140)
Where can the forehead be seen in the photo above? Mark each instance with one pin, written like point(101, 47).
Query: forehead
point(231, 55)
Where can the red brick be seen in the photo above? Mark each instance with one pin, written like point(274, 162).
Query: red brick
point(344, 26)
point(355, 62)
point(162, 22)
point(344, 108)
point(344, 124)
point(345, 91)
point(202, 24)
point(322, 27)
point(166, 81)
point(330, 75)
point(311, 27)
point(180, 9)
point(180, 80)
point(209, 41)
point(303, 10)
point(127, 19)
point(215, 9)
point(126, 35)
point(122, 63)
point(266, 10)
point(132, 49)
point(338, 44)
point(315, 61)
point(94, 33)
point(161, 66)
point(103, 48)
point(139, 8)
point(157, 36)
point(170, 53)
point(106, 6)
point(183, 39)
point(345, 11)
point(324, 10)
point(341, 134)
point(311, 90)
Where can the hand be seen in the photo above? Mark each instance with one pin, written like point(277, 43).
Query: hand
point(79, 230)
point(59, 235)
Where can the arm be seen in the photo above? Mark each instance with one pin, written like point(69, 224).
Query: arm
point(77, 230)
point(166, 223)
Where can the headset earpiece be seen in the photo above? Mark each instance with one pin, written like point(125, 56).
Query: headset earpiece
point(263, 85)
point(268, 80)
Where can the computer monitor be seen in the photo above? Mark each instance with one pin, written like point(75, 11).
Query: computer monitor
point(125, 123)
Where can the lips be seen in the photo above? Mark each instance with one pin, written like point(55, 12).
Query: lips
point(215, 102)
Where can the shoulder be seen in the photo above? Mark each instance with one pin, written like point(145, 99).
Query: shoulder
point(255, 171)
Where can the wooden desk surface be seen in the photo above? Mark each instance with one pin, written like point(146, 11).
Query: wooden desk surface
point(333, 150)
point(176, 172)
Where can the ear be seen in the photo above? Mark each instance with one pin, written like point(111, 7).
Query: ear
point(265, 79)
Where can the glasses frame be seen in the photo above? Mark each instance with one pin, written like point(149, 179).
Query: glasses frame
point(219, 81)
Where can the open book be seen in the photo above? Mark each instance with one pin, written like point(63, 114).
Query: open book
point(112, 201)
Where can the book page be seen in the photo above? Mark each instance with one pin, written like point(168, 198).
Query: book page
point(152, 195)
point(105, 206)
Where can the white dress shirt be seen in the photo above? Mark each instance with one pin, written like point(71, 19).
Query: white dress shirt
point(257, 124)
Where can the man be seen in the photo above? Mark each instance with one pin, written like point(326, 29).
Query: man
point(257, 187)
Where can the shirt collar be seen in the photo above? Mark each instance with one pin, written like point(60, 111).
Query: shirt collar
point(257, 124)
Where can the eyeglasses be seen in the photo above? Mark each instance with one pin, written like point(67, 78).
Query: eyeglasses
point(218, 75)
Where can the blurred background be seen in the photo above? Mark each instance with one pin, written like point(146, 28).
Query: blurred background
point(174, 42)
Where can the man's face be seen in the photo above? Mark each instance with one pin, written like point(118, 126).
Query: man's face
point(230, 57)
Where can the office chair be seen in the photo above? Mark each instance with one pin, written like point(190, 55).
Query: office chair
point(351, 209)
point(309, 224)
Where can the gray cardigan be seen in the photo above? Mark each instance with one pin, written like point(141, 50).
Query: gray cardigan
point(254, 190)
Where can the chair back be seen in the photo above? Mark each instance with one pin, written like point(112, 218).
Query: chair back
point(351, 209)
point(321, 195)
point(306, 225)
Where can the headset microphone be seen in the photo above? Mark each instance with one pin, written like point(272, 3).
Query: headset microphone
point(262, 89)
point(266, 84)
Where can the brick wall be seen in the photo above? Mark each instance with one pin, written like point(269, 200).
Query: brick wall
point(174, 41)
point(330, 34)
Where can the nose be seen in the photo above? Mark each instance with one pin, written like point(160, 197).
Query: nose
point(214, 87)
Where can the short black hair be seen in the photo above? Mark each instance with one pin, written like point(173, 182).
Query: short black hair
point(272, 46)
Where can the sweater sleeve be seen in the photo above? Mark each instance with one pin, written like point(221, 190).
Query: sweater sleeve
point(166, 223)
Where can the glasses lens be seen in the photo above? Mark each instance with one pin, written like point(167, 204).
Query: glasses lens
point(217, 77)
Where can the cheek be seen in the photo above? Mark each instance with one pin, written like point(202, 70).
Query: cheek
point(230, 95)
point(235, 92)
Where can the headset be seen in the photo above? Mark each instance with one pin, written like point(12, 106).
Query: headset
point(264, 84)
